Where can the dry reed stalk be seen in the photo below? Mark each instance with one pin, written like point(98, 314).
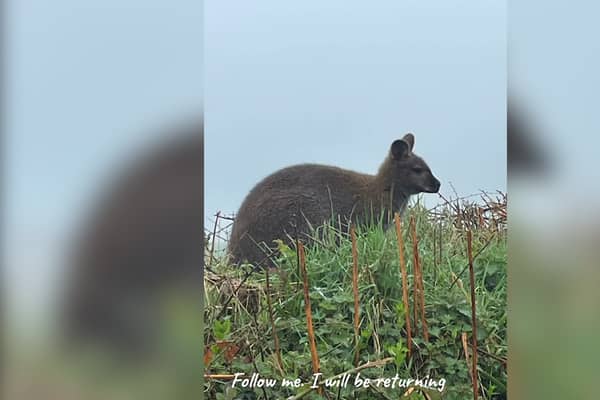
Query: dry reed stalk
point(272, 319)
point(473, 314)
point(355, 292)
point(221, 376)
point(440, 241)
point(501, 360)
point(309, 322)
point(214, 234)
point(404, 281)
point(463, 338)
point(435, 260)
point(474, 257)
point(415, 296)
point(419, 279)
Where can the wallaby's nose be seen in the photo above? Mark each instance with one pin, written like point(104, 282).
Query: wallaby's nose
point(435, 187)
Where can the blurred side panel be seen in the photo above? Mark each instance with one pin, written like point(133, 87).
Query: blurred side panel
point(143, 239)
point(554, 178)
point(103, 227)
point(526, 154)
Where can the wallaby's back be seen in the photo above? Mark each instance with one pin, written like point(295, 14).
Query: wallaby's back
point(293, 199)
point(300, 194)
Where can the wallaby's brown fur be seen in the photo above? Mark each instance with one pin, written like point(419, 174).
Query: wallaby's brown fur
point(293, 199)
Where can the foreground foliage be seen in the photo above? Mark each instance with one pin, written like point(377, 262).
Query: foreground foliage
point(239, 327)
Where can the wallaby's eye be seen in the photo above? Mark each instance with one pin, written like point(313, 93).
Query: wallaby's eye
point(418, 170)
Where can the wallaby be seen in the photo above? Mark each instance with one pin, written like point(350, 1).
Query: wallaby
point(292, 200)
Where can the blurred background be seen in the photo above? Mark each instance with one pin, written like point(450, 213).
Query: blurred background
point(554, 206)
point(103, 198)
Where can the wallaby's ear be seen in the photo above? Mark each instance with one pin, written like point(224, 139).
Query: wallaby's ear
point(409, 138)
point(399, 149)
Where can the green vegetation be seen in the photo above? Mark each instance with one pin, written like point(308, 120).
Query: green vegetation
point(239, 336)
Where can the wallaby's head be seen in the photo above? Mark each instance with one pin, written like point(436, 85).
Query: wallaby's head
point(407, 170)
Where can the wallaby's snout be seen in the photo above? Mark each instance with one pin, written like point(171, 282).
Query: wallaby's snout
point(425, 182)
point(434, 185)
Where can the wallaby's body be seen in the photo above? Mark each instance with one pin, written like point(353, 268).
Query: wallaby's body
point(293, 199)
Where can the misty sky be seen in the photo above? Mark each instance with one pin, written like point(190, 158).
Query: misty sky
point(89, 85)
point(336, 82)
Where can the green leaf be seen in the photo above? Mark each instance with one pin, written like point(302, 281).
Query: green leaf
point(222, 329)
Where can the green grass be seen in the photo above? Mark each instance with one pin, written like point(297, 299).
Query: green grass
point(246, 323)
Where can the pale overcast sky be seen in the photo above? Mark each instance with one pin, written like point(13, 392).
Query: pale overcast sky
point(336, 82)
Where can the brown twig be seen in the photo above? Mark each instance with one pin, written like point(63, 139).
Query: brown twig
point(419, 279)
point(242, 282)
point(446, 202)
point(474, 257)
point(415, 289)
point(355, 292)
point(404, 281)
point(307, 309)
point(473, 314)
point(253, 359)
point(501, 360)
point(221, 376)
point(464, 339)
point(435, 260)
point(214, 234)
point(440, 241)
point(275, 337)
